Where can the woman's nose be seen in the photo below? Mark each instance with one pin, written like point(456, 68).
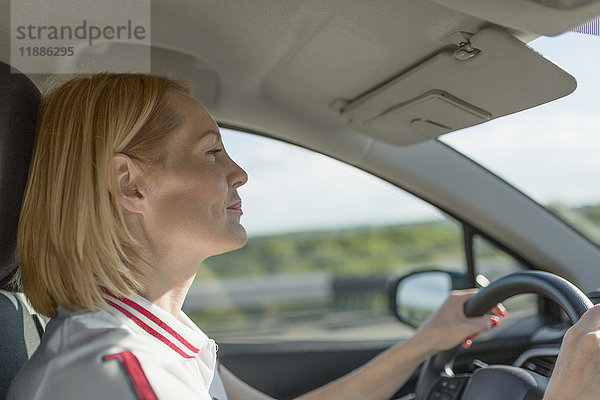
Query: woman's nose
point(238, 176)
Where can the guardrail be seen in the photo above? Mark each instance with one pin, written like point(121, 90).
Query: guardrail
point(249, 292)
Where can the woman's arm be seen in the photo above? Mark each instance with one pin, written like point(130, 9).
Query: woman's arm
point(378, 379)
point(384, 375)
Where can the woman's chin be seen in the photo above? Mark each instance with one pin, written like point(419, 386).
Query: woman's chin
point(236, 241)
point(242, 238)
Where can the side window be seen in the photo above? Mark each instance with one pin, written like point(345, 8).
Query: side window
point(492, 263)
point(324, 237)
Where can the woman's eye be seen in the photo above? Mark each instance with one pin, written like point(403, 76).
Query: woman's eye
point(214, 151)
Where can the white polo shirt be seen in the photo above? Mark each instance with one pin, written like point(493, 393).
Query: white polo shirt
point(131, 350)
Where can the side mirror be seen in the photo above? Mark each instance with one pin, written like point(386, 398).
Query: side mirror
point(413, 297)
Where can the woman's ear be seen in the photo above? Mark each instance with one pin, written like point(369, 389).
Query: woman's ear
point(124, 181)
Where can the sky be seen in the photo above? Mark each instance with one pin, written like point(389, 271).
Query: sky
point(293, 189)
point(551, 153)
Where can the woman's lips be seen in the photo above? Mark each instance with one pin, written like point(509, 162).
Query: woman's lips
point(237, 207)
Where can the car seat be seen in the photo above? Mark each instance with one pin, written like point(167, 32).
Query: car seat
point(20, 328)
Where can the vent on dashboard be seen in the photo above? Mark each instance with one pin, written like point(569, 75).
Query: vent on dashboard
point(543, 365)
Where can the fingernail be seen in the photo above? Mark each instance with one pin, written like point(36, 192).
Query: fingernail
point(495, 321)
point(468, 341)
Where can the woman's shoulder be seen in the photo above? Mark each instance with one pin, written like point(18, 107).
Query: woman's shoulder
point(94, 356)
point(69, 377)
point(73, 338)
point(81, 331)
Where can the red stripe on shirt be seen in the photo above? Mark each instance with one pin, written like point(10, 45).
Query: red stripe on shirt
point(153, 318)
point(149, 329)
point(134, 370)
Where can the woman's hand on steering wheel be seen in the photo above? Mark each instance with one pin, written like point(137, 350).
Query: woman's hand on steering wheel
point(576, 375)
point(448, 326)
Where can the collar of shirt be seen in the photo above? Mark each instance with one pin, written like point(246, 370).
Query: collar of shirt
point(181, 335)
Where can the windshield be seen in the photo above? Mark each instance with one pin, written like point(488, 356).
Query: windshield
point(551, 152)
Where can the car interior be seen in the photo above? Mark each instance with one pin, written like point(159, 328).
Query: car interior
point(373, 85)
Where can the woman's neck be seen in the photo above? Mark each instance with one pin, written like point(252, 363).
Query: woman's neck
point(167, 295)
point(167, 280)
point(167, 270)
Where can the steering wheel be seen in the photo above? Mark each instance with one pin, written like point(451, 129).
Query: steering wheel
point(436, 379)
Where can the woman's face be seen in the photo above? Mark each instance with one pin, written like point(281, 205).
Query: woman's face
point(193, 206)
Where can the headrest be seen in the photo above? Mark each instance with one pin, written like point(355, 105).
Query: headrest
point(19, 105)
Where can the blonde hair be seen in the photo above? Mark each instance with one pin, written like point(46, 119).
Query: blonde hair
point(72, 234)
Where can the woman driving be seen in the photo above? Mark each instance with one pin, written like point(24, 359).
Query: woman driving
point(130, 189)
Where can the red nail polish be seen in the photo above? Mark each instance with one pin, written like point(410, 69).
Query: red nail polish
point(468, 341)
point(495, 321)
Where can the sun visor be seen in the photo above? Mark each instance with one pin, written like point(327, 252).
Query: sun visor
point(489, 75)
